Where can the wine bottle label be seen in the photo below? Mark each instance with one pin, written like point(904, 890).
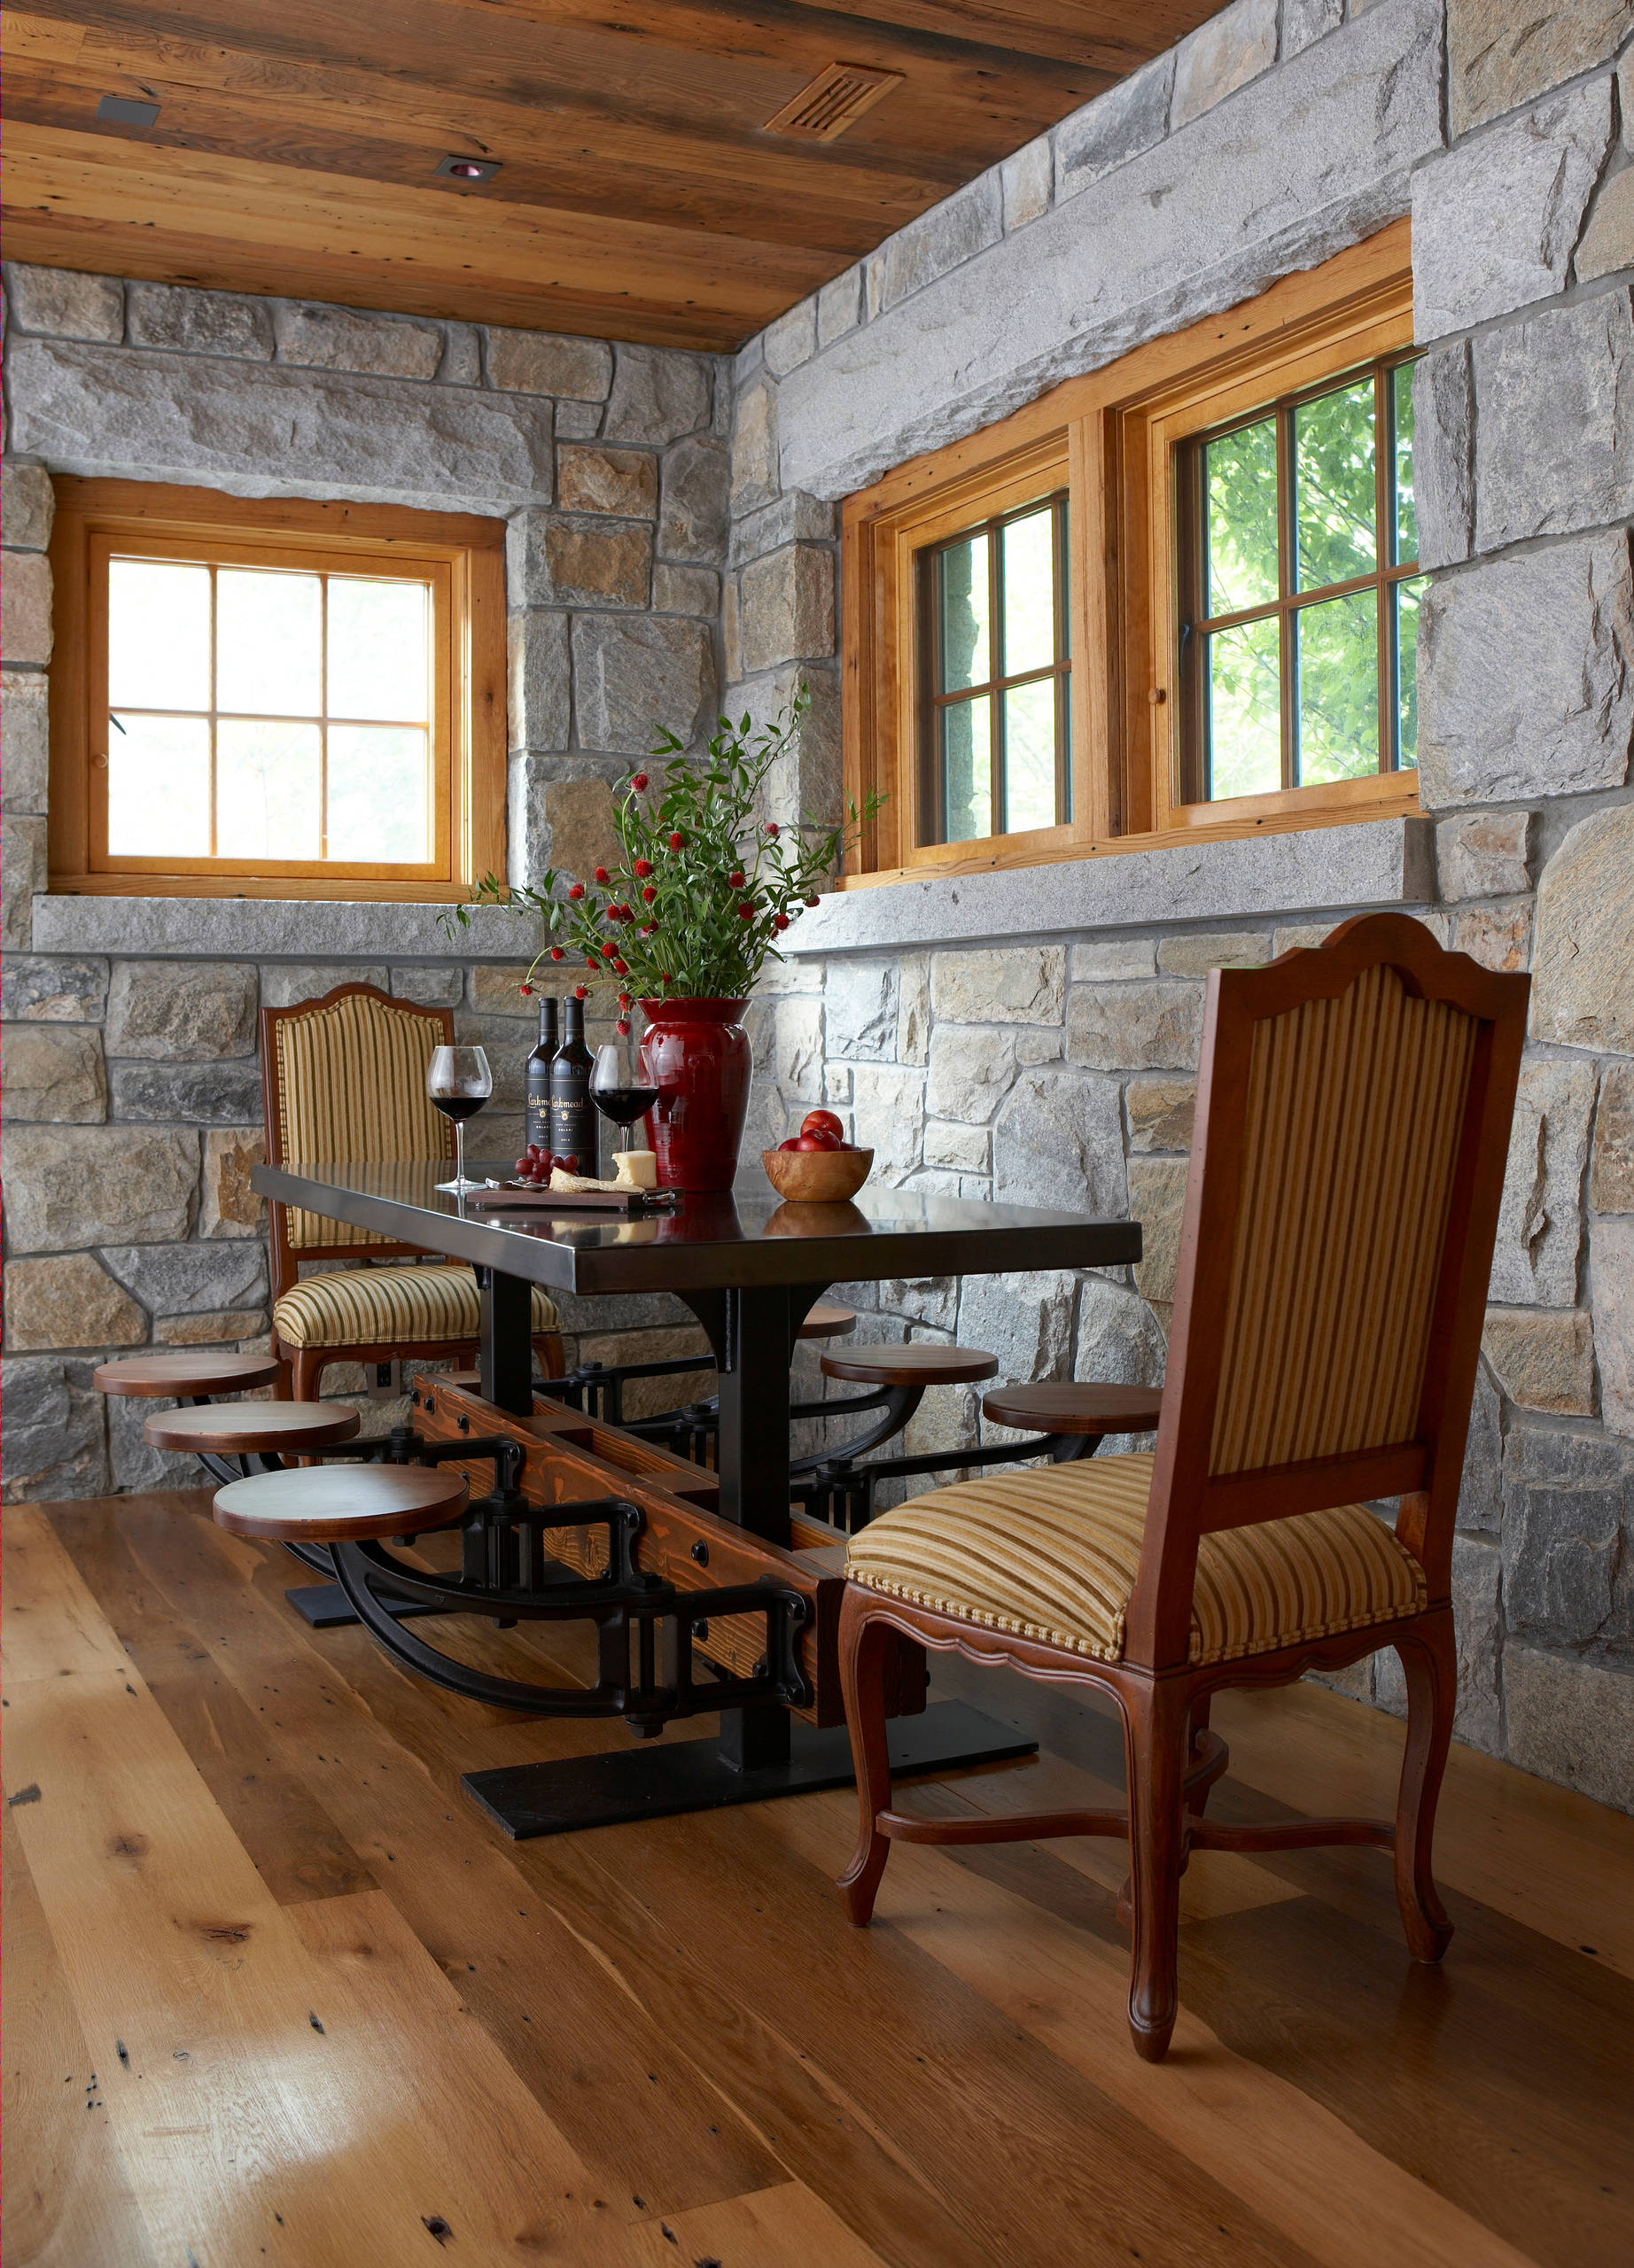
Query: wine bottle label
point(538, 1109)
point(572, 1121)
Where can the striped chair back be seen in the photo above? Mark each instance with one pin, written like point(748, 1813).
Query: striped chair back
point(345, 1082)
point(1354, 1105)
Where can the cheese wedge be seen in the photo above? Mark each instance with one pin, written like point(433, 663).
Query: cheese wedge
point(560, 1178)
point(635, 1169)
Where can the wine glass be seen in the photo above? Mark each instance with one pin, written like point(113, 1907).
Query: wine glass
point(619, 1087)
point(459, 1081)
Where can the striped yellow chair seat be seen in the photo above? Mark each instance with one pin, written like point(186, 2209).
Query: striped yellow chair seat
point(377, 1306)
point(1053, 1556)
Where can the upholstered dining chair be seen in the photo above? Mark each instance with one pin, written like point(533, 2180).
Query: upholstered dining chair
point(345, 1082)
point(1353, 1115)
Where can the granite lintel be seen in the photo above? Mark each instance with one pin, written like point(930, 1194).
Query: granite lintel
point(266, 928)
point(1317, 870)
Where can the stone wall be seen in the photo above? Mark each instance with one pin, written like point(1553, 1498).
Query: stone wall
point(132, 1095)
point(1034, 1036)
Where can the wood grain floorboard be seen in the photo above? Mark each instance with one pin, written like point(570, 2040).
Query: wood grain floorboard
point(662, 2042)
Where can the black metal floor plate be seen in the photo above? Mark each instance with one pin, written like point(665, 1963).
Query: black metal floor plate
point(659, 1779)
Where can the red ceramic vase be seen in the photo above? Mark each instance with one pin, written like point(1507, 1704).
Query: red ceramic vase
point(697, 1055)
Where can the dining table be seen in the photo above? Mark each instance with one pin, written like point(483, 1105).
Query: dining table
point(750, 1268)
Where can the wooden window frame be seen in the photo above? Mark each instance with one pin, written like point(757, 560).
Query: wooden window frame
point(1112, 437)
point(460, 558)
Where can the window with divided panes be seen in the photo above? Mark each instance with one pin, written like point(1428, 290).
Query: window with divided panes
point(1297, 551)
point(274, 697)
point(996, 721)
point(267, 714)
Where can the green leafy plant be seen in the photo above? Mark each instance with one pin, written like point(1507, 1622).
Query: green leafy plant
point(705, 887)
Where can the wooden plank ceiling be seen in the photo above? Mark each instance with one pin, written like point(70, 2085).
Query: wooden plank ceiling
point(640, 194)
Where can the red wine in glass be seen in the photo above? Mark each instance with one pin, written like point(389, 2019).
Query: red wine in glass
point(458, 1083)
point(618, 1088)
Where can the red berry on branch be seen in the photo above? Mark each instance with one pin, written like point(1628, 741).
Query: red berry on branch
point(607, 950)
point(579, 991)
point(524, 990)
point(665, 978)
point(649, 929)
point(643, 867)
point(678, 841)
point(779, 920)
point(814, 901)
point(623, 1027)
point(621, 969)
point(745, 913)
point(590, 961)
point(556, 952)
point(647, 895)
point(577, 891)
point(772, 829)
point(624, 1000)
point(639, 782)
point(602, 875)
point(735, 880)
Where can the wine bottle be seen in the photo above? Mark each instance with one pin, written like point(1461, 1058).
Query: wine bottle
point(573, 1114)
point(538, 1077)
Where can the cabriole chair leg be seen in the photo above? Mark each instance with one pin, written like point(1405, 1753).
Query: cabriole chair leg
point(1429, 1662)
point(1156, 1729)
point(863, 1641)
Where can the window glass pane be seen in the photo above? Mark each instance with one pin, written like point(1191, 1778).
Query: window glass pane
point(1029, 593)
point(267, 790)
point(268, 640)
point(1406, 597)
point(966, 648)
point(378, 793)
point(158, 635)
point(1336, 733)
point(378, 663)
point(1243, 685)
point(159, 787)
point(1029, 756)
point(1400, 421)
point(1239, 519)
point(1334, 497)
point(967, 769)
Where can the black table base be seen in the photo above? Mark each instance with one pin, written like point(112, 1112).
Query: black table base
point(325, 1606)
point(654, 1782)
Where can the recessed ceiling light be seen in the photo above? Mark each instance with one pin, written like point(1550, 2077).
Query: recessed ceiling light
point(469, 168)
point(120, 109)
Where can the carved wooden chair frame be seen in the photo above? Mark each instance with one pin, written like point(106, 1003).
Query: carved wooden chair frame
point(1171, 1756)
point(301, 1368)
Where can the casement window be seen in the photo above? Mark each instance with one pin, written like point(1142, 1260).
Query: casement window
point(1179, 596)
point(274, 698)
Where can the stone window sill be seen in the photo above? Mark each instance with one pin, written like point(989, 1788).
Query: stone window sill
point(1321, 870)
point(253, 928)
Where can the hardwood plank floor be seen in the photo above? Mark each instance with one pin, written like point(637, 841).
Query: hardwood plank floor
point(276, 1991)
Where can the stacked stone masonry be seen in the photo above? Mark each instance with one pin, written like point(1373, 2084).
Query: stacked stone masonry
point(1053, 1061)
point(132, 1091)
point(1050, 1055)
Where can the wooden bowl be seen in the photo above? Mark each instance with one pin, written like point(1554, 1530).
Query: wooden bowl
point(817, 1177)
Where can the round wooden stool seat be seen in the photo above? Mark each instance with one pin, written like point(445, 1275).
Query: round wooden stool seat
point(916, 1365)
point(1072, 1408)
point(338, 1504)
point(177, 1376)
point(237, 1428)
point(825, 1322)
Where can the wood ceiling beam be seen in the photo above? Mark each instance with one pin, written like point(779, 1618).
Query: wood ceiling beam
point(396, 242)
point(233, 102)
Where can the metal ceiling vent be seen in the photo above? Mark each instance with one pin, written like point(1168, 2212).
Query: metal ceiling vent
point(834, 100)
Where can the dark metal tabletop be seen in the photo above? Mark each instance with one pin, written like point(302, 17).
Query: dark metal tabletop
point(741, 1239)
